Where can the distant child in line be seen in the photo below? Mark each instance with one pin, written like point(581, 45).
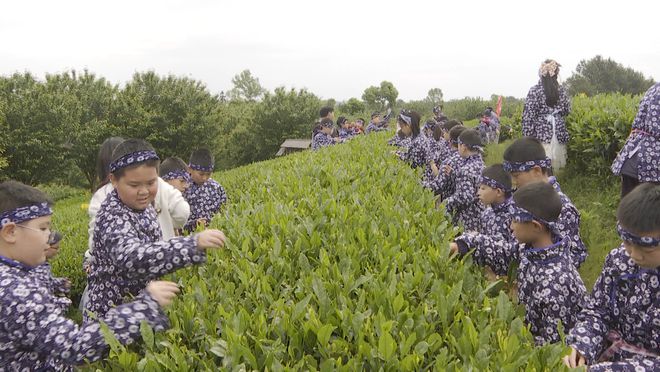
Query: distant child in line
point(463, 204)
point(327, 112)
point(526, 161)
point(205, 195)
point(128, 248)
point(618, 329)
point(489, 126)
point(34, 333)
point(638, 160)
point(495, 192)
point(439, 148)
point(417, 154)
point(377, 124)
point(323, 135)
point(172, 208)
point(443, 182)
point(345, 129)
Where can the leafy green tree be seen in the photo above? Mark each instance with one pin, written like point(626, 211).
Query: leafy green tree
point(380, 97)
point(434, 96)
point(175, 114)
point(600, 75)
point(353, 106)
point(246, 87)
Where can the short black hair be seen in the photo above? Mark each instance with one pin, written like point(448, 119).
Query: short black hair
point(496, 172)
point(437, 132)
point(639, 211)
point(540, 199)
point(172, 164)
point(341, 120)
point(471, 138)
point(525, 149)
point(455, 132)
point(415, 118)
point(325, 110)
point(104, 159)
point(130, 146)
point(448, 125)
point(202, 157)
point(14, 194)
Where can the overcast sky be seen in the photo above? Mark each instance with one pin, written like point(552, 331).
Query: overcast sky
point(334, 48)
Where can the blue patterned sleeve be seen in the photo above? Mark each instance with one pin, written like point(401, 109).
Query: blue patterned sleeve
point(529, 113)
point(569, 225)
point(41, 327)
point(466, 184)
point(564, 106)
point(61, 286)
point(155, 259)
point(588, 334)
point(220, 197)
point(498, 254)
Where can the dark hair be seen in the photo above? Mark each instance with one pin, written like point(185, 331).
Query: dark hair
point(104, 159)
point(172, 164)
point(550, 87)
point(327, 122)
point(540, 199)
point(525, 149)
point(14, 195)
point(437, 132)
point(448, 125)
point(130, 146)
point(325, 111)
point(374, 114)
point(341, 120)
point(362, 120)
point(202, 157)
point(455, 132)
point(639, 211)
point(471, 138)
point(496, 172)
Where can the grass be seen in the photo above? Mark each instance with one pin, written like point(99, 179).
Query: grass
point(596, 199)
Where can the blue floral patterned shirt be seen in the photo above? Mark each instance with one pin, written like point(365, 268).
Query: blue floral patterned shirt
point(537, 115)
point(205, 202)
point(464, 204)
point(625, 299)
point(35, 335)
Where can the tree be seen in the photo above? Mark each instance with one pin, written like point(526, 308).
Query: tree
point(434, 96)
point(599, 75)
point(380, 97)
point(246, 87)
point(354, 106)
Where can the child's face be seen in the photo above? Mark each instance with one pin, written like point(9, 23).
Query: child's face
point(489, 195)
point(463, 150)
point(446, 136)
point(52, 250)
point(30, 242)
point(526, 232)
point(521, 179)
point(645, 257)
point(179, 184)
point(376, 119)
point(137, 187)
point(199, 177)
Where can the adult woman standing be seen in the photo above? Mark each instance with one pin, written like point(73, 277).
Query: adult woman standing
point(546, 106)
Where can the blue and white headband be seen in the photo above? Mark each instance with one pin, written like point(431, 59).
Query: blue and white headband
point(471, 147)
point(201, 168)
point(132, 159)
point(527, 165)
point(436, 109)
point(178, 174)
point(23, 214)
point(643, 241)
point(494, 184)
point(431, 124)
point(405, 118)
point(523, 215)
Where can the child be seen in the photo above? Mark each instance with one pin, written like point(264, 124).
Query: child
point(429, 128)
point(359, 126)
point(327, 112)
point(34, 333)
point(172, 208)
point(128, 248)
point(495, 193)
point(443, 180)
point(463, 203)
point(376, 124)
point(638, 159)
point(58, 287)
point(489, 126)
point(439, 117)
point(205, 195)
point(525, 160)
point(323, 137)
point(619, 325)
point(438, 148)
point(345, 130)
point(417, 154)
point(175, 172)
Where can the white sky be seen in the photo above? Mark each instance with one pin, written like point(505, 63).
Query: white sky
point(334, 48)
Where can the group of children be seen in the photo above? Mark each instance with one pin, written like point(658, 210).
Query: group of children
point(533, 233)
point(143, 225)
point(326, 134)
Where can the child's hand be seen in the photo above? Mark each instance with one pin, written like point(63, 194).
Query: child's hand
point(163, 292)
point(210, 239)
point(574, 359)
point(434, 168)
point(453, 248)
point(447, 169)
point(201, 222)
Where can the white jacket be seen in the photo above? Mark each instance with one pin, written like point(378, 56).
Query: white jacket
point(173, 210)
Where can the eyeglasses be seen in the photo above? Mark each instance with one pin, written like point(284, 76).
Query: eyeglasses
point(51, 233)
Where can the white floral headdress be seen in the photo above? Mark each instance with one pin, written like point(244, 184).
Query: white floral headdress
point(549, 68)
